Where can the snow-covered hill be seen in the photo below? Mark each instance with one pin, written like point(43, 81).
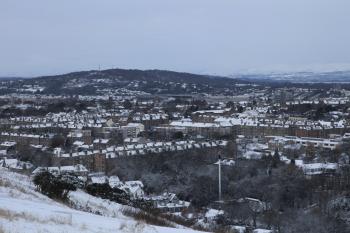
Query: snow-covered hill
point(298, 77)
point(23, 209)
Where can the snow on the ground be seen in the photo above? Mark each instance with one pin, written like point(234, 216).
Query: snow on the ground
point(212, 213)
point(239, 229)
point(262, 231)
point(88, 203)
point(22, 209)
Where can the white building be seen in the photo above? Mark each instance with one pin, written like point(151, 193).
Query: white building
point(132, 130)
point(319, 168)
point(305, 141)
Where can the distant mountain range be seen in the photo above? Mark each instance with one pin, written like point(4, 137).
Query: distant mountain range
point(10, 78)
point(299, 77)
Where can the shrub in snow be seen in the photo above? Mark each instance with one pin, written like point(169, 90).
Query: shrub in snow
point(117, 195)
point(105, 191)
point(53, 186)
point(72, 179)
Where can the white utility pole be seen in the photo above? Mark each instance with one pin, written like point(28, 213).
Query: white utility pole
point(219, 178)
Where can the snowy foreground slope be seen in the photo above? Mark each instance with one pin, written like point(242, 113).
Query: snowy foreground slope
point(22, 209)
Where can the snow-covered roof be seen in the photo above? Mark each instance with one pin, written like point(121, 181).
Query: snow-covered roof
point(74, 168)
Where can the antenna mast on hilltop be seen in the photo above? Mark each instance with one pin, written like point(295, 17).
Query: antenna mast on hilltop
point(219, 165)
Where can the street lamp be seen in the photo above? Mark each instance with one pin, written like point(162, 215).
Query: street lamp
point(219, 164)
point(225, 162)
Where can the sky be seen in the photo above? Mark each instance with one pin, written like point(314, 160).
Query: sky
point(41, 37)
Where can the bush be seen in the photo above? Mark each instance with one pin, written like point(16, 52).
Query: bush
point(72, 179)
point(107, 192)
point(53, 186)
point(143, 205)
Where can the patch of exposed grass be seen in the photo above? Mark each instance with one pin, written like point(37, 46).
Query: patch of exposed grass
point(146, 217)
point(5, 183)
point(182, 221)
point(60, 220)
point(2, 229)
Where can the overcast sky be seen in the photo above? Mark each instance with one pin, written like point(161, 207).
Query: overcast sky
point(39, 37)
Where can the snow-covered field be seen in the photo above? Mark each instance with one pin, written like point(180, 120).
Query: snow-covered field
point(23, 209)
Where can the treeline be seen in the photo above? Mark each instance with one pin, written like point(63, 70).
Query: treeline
point(294, 203)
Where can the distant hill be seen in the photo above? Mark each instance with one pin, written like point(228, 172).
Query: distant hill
point(148, 81)
point(145, 82)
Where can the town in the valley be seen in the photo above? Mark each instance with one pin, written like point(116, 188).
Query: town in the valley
point(207, 152)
